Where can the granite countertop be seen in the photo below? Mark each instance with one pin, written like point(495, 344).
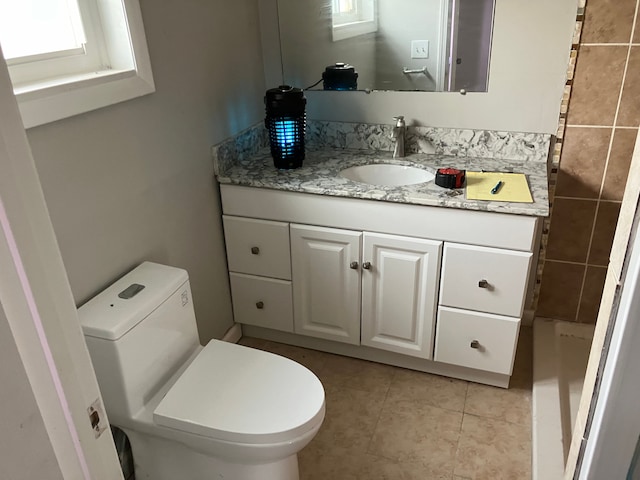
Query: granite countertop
point(319, 175)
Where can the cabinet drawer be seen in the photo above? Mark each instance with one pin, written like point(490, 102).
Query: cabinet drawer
point(264, 302)
point(484, 279)
point(257, 247)
point(476, 340)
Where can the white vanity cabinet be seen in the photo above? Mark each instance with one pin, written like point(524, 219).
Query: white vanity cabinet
point(365, 288)
point(482, 296)
point(259, 272)
point(434, 289)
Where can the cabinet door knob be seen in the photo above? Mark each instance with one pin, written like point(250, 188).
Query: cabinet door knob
point(366, 265)
point(483, 284)
point(475, 344)
point(255, 250)
point(353, 265)
point(259, 305)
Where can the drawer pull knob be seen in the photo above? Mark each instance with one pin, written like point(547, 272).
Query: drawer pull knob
point(475, 344)
point(366, 265)
point(353, 265)
point(483, 284)
point(259, 305)
point(255, 250)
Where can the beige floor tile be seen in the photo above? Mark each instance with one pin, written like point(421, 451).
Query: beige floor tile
point(493, 450)
point(512, 405)
point(434, 390)
point(316, 466)
point(312, 359)
point(410, 431)
point(349, 423)
point(357, 374)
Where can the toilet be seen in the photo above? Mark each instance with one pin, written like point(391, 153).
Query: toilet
point(222, 411)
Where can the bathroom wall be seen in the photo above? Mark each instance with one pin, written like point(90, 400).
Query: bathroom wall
point(598, 134)
point(134, 181)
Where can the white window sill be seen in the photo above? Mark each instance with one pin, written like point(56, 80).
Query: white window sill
point(55, 99)
point(355, 29)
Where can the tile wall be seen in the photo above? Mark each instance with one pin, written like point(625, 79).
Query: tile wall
point(598, 126)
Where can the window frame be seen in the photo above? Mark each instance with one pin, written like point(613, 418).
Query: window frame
point(124, 71)
point(366, 21)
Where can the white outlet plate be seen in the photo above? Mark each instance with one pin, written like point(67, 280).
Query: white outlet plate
point(419, 48)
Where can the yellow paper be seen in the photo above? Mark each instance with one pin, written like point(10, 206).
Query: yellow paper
point(514, 187)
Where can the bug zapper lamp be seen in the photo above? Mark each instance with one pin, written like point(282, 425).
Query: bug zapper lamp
point(340, 76)
point(286, 122)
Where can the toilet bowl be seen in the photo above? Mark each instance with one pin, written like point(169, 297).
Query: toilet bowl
point(218, 411)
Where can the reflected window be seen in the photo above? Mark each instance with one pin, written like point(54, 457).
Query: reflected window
point(352, 18)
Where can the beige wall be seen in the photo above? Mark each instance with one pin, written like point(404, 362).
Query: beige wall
point(601, 129)
point(134, 181)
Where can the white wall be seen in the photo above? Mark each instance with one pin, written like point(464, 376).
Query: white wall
point(529, 58)
point(134, 181)
point(25, 450)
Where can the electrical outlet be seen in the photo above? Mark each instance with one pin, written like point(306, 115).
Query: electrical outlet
point(419, 48)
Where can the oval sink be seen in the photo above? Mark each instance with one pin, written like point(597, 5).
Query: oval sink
point(387, 174)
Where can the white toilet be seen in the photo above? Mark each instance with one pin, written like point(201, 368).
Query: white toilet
point(222, 411)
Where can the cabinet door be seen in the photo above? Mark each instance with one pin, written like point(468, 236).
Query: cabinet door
point(399, 291)
point(326, 283)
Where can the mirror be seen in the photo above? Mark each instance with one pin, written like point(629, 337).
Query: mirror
point(399, 45)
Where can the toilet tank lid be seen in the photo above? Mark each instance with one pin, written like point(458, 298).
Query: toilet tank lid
point(109, 316)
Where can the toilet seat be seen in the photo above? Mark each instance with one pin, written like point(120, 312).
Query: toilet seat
point(243, 395)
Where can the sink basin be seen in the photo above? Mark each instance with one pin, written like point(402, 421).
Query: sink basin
point(387, 174)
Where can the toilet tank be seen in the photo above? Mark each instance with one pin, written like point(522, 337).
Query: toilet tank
point(139, 331)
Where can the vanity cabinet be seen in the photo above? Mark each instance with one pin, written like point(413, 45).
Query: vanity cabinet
point(433, 289)
point(365, 288)
point(482, 297)
point(259, 272)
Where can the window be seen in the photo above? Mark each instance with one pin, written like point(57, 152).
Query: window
point(352, 18)
point(67, 57)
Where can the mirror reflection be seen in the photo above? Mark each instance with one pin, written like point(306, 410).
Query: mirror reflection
point(425, 45)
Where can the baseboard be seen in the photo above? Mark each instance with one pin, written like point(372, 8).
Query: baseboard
point(233, 334)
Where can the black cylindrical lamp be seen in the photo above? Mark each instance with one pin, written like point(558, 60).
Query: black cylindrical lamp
point(340, 76)
point(286, 121)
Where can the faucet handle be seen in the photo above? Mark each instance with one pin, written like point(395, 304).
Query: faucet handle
point(399, 121)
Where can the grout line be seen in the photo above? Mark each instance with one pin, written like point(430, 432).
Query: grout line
point(568, 262)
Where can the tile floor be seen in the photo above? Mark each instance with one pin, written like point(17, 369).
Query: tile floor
point(389, 423)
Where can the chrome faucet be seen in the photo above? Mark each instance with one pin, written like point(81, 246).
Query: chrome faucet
point(398, 135)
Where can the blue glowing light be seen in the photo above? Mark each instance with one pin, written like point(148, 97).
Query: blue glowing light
point(287, 135)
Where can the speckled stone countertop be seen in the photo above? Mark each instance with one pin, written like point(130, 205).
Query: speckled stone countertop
point(320, 175)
